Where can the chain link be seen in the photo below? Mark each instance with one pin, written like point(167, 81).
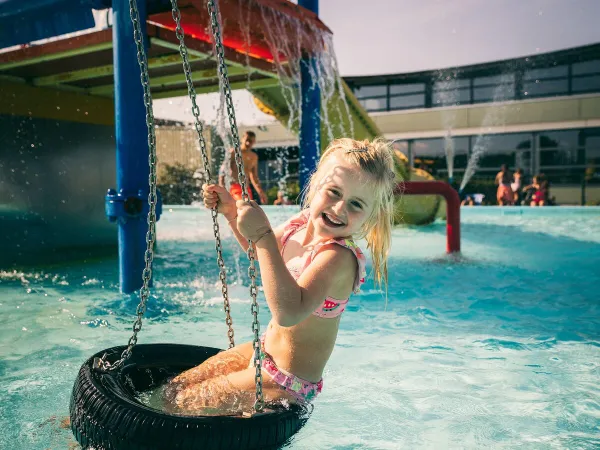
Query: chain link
point(152, 198)
point(226, 89)
point(202, 143)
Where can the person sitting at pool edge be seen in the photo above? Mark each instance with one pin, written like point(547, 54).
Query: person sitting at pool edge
point(309, 266)
point(250, 170)
point(281, 199)
point(537, 191)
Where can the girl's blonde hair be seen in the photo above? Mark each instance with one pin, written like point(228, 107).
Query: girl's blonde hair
point(376, 159)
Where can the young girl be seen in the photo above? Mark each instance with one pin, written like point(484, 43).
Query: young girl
point(309, 267)
point(539, 188)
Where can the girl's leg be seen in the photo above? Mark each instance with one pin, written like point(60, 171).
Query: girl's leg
point(228, 394)
point(223, 363)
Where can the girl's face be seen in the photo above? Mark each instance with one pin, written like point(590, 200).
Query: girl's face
point(343, 201)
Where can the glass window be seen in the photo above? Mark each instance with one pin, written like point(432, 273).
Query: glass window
point(401, 146)
point(461, 144)
point(505, 78)
point(441, 98)
point(374, 104)
point(545, 87)
point(501, 142)
point(370, 91)
point(587, 67)
point(563, 176)
point(592, 156)
point(493, 159)
point(461, 152)
point(429, 147)
point(559, 139)
point(498, 149)
point(407, 88)
point(592, 147)
point(407, 101)
point(549, 72)
point(586, 84)
point(559, 157)
point(452, 84)
point(497, 93)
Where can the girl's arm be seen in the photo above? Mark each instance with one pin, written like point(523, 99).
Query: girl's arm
point(216, 195)
point(277, 233)
point(330, 274)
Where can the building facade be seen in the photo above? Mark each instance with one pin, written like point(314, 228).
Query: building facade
point(539, 113)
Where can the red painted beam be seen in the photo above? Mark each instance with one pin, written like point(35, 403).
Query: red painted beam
point(452, 206)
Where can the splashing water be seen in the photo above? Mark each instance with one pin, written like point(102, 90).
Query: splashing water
point(449, 150)
point(287, 38)
point(288, 58)
point(447, 94)
point(495, 116)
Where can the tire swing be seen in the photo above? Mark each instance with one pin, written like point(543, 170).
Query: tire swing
point(104, 409)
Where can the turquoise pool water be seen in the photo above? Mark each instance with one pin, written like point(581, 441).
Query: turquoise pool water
point(500, 349)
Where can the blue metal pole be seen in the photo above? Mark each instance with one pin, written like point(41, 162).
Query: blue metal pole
point(132, 146)
point(310, 128)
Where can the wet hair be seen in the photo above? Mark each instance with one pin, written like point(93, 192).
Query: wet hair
point(375, 158)
point(250, 134)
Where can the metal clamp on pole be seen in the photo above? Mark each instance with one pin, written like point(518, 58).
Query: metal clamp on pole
point(123, 206)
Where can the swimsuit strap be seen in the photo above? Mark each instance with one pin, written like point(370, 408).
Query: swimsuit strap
point(295, 224)
point(299, 221)
point(350, 245)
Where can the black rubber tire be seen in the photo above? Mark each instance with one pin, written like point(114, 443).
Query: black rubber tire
point(105, 413)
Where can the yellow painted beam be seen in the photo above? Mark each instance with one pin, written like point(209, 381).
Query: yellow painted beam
point(206, 74)
point(254, 67)
point(102, 71)
point(30, 101)
point(171, 46)
point(255, 84)
point(55, 56)
point(167, 80)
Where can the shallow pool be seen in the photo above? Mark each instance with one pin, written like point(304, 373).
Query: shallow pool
point(500, 349)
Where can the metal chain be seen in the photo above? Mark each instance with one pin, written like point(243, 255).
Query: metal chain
point(152, 199)
point(226, 88)
point(202, 143)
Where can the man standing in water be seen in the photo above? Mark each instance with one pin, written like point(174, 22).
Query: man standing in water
point(250, 169)
point(504, 194)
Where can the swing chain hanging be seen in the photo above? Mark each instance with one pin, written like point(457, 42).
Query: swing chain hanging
point(101, 363)
point(202, 143)
point(226, 90)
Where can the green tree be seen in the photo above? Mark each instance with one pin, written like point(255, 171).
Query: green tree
point(179, 185)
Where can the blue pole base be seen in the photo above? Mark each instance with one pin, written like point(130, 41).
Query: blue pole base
point(130, 211)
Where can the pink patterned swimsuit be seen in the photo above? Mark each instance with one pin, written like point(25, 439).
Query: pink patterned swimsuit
point(304, 390)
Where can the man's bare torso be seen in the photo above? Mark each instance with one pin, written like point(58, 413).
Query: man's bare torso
point(250, 161)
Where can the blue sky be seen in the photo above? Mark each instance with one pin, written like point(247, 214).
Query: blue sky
point(391, 36)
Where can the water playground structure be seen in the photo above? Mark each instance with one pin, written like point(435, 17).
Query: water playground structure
point(81, 75)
